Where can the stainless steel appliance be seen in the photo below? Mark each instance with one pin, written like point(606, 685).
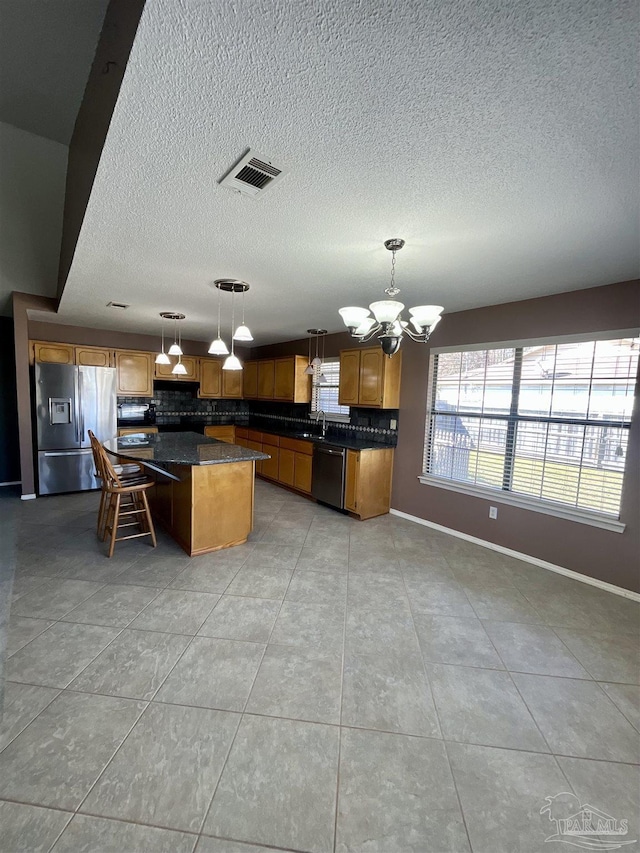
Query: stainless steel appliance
point(136, 414)
point(328, 475)
point(69, 401)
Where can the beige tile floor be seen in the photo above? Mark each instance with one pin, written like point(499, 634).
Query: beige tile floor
point(331, 685)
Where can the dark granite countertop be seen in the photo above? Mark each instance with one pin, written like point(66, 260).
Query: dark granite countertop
point(331, 440)
point(179, 448)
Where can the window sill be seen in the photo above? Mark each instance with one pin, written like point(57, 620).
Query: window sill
point(336, 418)
point(557, 510)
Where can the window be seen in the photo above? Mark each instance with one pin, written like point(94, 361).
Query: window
point(548, 423)
point(324, 398)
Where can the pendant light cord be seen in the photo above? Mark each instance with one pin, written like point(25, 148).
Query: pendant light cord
point(219, 301)
point(233, 318)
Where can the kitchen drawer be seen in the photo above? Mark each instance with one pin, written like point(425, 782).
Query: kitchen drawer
point(254, 435)
point(297, 444)
point(273, 440)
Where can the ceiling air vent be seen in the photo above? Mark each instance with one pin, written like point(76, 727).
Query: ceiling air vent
point(116, 305)
point(252, 175)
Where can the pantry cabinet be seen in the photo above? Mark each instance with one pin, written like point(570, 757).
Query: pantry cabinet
point(369, 378)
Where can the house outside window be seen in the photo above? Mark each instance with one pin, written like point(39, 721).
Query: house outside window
point(543, 424)
point(324, 398)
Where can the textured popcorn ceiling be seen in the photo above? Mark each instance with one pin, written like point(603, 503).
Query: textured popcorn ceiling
point(499, 139)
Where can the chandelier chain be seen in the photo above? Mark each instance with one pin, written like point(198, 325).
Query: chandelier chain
point(392, 290)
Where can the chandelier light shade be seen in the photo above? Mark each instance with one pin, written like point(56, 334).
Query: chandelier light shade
point(387, 323)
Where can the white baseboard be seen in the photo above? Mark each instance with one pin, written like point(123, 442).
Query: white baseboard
point(527, 558)
point(27, 497)
point(11, 483)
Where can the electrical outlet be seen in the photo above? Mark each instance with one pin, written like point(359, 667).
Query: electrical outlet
point(493, 512)
point(393, 423)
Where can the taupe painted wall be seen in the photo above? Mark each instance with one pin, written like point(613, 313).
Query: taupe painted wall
point(612, 557)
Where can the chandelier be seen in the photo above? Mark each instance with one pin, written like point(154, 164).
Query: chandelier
point(387, 323)
point(242, 333)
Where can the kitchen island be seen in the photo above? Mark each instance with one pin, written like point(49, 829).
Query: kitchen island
point(203, 491)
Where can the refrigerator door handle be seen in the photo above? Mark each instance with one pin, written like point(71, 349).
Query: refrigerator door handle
point(65, 452)
point(76, 418)
point(80, 406)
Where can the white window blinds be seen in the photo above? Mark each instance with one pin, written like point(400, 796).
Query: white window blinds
point(550, 421)
point(324, 398)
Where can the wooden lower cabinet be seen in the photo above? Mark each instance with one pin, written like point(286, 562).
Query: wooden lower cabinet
point(286, 466)
point(302, 474)
point(368, 482)
point(222, 433)
point(270, 445)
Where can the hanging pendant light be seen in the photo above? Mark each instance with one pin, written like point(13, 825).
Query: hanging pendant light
point(232, 362)
point(175, 348)
point(179, 369)
point(309, 368)
point(322, 379)
point(218, 347)
point(387, 323)
point(162, 357)
point(242, 333)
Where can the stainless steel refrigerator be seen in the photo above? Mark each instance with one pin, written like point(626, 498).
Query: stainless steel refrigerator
point(69, 401)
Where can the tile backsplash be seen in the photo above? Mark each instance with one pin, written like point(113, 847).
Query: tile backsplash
point(179, 404)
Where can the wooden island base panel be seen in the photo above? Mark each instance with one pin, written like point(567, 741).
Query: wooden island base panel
point(209, 508)
point(204, 489)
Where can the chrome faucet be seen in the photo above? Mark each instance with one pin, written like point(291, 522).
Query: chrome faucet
point(324, 421)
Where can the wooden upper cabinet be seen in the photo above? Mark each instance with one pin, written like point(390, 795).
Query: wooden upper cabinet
point(210, 377)
point(369, 378)
point(284, 379)
point(163, 371)
point(135, 373)
point(94, 356)
point(291, 384)
point(266, 379)
point(53, 353)
point(348, 392)
point(232, 384)
point(250, 379)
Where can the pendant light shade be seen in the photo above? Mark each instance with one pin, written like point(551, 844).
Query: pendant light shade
point(242, 333)
point(309, 370)
point(175, 348)
point(218, 347)
point(179, 369)
point(232, 362)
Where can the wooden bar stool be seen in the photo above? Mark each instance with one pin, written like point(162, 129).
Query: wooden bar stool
point(124, 499)
point(129, 473)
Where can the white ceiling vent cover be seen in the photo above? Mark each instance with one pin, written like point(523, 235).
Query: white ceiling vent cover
point(253, 175)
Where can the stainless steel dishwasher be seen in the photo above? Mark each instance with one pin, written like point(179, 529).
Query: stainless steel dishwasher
point(328, 475)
